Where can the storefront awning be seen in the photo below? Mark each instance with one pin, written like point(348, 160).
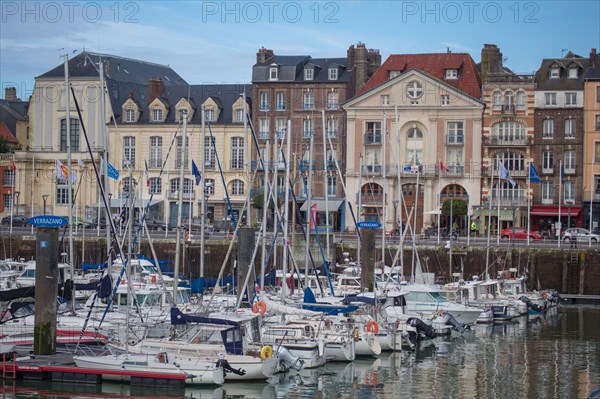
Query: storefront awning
point(551, 210)
point(333, 205)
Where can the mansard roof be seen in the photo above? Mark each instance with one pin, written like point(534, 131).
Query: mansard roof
point(291, 69)
point(563, 82)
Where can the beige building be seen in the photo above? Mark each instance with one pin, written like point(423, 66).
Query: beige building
point(591, 143)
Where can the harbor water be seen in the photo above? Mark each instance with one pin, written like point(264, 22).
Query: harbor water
point(554, 356)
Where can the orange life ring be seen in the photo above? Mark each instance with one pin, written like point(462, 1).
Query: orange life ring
point(372, 326)
point(154, 278)
point(259, 307)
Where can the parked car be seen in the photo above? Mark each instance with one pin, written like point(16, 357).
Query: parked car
point(17, 220)
point(156, 224)
point(520, 234)
point(195, 225)
point(76, 221)
point(581, 235)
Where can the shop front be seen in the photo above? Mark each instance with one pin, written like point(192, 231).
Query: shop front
point(546, 218)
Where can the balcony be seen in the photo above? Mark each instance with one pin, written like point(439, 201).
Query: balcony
point(455, 139)
point(331, 164)
point(504, 141)
point(508, 109)
point(569, 170)
point(371, 170)
point(548, 170)
point(280, 135)
point(174, 195)
point(372, 139)
point(455, 170)
point(281, 107)
point(264, 107)
point(305, 166)
point(332, 133)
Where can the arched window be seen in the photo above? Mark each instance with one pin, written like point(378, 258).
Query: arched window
point(237, 187)
point(414, 147)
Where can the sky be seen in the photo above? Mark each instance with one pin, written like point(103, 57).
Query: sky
point(217, 41)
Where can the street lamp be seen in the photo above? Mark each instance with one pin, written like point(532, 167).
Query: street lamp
point(570, 203)
point(17, 195)
point(45, 197)
point(395, 203)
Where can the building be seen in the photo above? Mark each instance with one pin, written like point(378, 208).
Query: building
point(558, 143)
point(308, 92)
point(14, 124)
point(414, 138)
point(591, 143)
point(507, 139)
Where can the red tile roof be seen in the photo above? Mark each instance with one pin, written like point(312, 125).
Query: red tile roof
point(6, 135)
point(469, 79)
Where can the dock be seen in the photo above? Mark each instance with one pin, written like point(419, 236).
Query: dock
point(574, 299)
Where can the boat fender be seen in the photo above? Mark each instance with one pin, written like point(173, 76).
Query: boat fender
point(154, 278)
point(372, 326)
point(355, 334)
point(259, 307)
point(266, 352)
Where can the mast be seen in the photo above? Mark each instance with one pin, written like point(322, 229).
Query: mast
point(286, 211)
point(180, 205)
point(400, 205)
point(263, 254)
point(70, 174)
point(360, 168)
point(384, 183)
point(308, 208)
point(326, 187)
point(105, 162)
point(202, 181)
point(246, 158)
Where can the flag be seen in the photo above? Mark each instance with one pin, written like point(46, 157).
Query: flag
point(113, 173)
point(313, 215)
point(504, 175)
point(147, 175)
point(533, 175)
point(14, 166)
point(62, 172)
point(80, 163)
point(562, 173)
point(196, 172)
point(443, 167)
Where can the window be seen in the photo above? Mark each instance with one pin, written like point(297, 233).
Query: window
point(385, 99)
point(547, 162)
point(237, 152)
point(333, 73)
point(157, 115)
point(598, 94)
point(188, 186)
point(209, 186)
point(570, 128)
point(74, 132)
point(554, 73)
point(455, 133)
point(280, 128)
point(547, 192)
point(156, 152)
point(308, 128)
point(331, 186)
point(6, 200)
point(9, 177)
point(178, 154)
point(209, 153)
point(263, 128)
point(509, 131)
point(416, 133)
point(129, 115)
point(273, 73)
point(309, 73)
point(509, 101)
point(455, 160)
point(521, 100)
point(373, 135)
point(414, 90)
point(570, 98)
point(573, 73)
point(445, 99)
point(280, 99)
point(237, 187)
point(550, 98)
point(129, 150)
point(155, 185)
point(451, 73)
point(183, 114)
point(239, 115)
point(264, 101)
point(512, 161)
point(597, 122)
point(497, 100)
point(209, 115)
point(332, 127)
point(332, 100)
point(569, 163)
point(373, 160)
point(62, 192)
point(597, 151)
point(393, 74)
point(128, 184)
point(548, 129)
point(569, 191)
point(309, 100)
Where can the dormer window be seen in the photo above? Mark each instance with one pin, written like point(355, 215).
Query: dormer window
point(393, 74)
point(309, 74)
point(182, 114)
point(333, 74)
point(157, 115)
point(554, 73)
point(129, 115)
point(451, 73)
point(573, 73)
point(273, 72)
point(209, 115)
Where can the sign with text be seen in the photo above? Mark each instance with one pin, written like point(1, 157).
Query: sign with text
point(368, 225)
point(48, 221)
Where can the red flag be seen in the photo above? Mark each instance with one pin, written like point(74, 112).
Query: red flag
point(147, 175)
point(313, 216)
point(443, 167)
point(14, 166)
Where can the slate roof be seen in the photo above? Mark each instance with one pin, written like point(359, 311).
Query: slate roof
point(542, 76)
point(225, 95)
point(12, 111)
point(6, 134)
point(435, 64)
point(291, 69)
point(593, 73)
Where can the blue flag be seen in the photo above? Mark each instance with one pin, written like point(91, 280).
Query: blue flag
point(196, 172)
point(504, 175)
point(562, 174)
point(533, 175)
point(113, 173)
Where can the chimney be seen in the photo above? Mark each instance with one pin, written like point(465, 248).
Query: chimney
point(491, 60)
point(593, 58)
point(263, 55)
point(10, 93)
point(155, 88)
point(350, 55)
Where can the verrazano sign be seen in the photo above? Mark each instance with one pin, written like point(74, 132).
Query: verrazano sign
point(47, 221)
point(368, 225)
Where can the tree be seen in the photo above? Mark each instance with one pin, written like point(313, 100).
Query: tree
point(459, 207)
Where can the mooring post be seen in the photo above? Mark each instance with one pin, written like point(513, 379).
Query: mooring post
point(46, 290)
point(367, 261)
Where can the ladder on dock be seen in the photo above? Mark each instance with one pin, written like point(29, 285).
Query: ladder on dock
point(574, 272)
point(9, 365)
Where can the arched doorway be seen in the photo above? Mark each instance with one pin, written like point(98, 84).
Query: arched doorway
point(372, 201)
point(451, 191)
point(409, 193)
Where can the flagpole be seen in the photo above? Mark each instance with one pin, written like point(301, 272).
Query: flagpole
point(498, 204)
point(69, 166)
point(559, 201)
point(489, 226)
point(592, 193)
point(528, 203)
